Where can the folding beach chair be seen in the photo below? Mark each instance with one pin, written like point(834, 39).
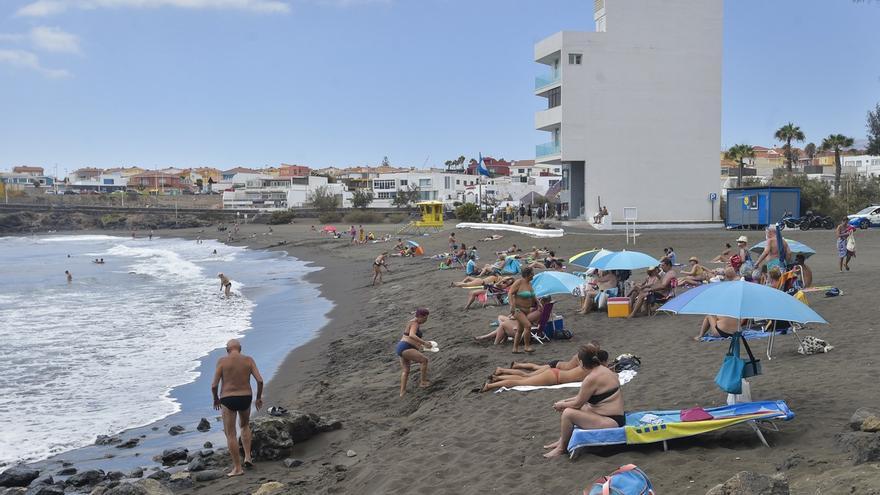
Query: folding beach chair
point(538, 330)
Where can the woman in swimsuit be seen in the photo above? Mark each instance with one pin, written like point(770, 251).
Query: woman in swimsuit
point(696, 275)
point(522, 299)
point(724, 257)
point(598, 404)
point(499, 286)
point(531, 369)
point(507, 326)
point(475, 281)
point(717, 326)
point(408, 350)
point(378, 264)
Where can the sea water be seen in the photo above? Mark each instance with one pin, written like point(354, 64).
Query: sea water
point(104, 352)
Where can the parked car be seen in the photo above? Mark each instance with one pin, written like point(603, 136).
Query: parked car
point(868, 217)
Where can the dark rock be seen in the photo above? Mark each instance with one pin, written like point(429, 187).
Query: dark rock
point(861, 415)
point(208, 445)
point(206, 453)
point(45, 490)
point(86, 478)
point(790, 463)
point(66, 463)
point(749, 483)
point(107, 440)
point(43, 480)
point(66, 471)
point(864, 447)
point(274, 437)
point(339, 468)
point(20, 490)
point(171, 456)
point(159, 475)
point(292, 463)
point(204, 425)
point(209, 475)
point(18, 476)
point(196, 464)
point(129, 444)
point(176, 430)
point(139, 487)
point(329, 425)
point(136, 473)
point(182, 462)
point(115, 475)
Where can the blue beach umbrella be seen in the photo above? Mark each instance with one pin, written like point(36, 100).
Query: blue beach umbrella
point(549, 283)
point(794, 246)
point(624, 260)
point(585, 258)
point(413, 243)
point(741, 299)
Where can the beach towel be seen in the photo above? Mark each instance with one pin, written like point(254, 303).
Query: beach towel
point(747, 334)
point(624, 376)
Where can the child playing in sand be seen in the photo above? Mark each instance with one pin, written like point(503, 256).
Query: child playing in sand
point(408, 350)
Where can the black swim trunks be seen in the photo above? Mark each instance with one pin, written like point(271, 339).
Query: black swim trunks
point(553, 363)
point(237, 402)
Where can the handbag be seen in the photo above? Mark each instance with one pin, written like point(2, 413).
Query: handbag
point(729, 377)
point(851, 243)
point(752, 366)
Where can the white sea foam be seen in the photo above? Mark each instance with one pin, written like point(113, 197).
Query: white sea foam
point(102, 354)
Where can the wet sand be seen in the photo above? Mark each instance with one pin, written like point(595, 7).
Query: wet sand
point(449, 439)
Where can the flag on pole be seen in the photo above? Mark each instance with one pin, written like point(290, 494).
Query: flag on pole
point(481, 167)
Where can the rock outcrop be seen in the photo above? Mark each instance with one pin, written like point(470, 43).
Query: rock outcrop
point(274, 437)
point(749, 483)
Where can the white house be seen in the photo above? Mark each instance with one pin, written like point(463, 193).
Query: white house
point(633, 110)
point(432, 185)
point(264, 192)
point(863, 165)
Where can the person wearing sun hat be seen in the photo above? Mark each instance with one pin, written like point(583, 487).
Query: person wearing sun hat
point(742, 249)
point(696, 273)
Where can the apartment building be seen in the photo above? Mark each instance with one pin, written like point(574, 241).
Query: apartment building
point(634, 109)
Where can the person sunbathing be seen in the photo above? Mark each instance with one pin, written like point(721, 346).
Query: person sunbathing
point(543, 378)
point(474, 281)
point(493, 237)
point(717, 326)
point(494, 268)
point(507, 326)
point(529, 369)
point(696, 274)
point(652, 275)
point(513, 249)
point(497, 289)
point(598, 404)
point(646, 296)
point(724, 257)
point(606, 283)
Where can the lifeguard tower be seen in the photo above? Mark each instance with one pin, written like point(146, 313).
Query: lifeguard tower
point(432, 218)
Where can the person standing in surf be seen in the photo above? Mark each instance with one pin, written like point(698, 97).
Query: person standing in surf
point(225, 283)
point(233, 378)
point(69, 276)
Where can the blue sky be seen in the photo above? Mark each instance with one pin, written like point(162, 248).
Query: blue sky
point(343, 82)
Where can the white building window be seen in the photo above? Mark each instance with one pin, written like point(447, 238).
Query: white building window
point(423, 183)
point(447, 182)
point(403, 182)
point(383, 184)
point(575, 58)
point(386, 195)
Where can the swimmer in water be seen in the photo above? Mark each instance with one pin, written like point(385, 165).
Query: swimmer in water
point(225, 284)
point(69, 276)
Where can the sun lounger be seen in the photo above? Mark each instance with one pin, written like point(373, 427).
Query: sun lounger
point(747, 334)
point(671, 427)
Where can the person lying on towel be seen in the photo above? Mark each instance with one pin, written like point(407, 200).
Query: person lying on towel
point(598, 404)
point(532, 369)
point(545, 377)
point(717, 326)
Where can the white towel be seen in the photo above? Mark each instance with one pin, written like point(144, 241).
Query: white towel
point(624, 376)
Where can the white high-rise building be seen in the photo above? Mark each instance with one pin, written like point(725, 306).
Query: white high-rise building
point(634, 109)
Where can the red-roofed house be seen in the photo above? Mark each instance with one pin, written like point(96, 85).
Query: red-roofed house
point(31, 171)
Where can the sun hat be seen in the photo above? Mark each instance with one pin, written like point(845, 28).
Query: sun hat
point(742, 238)
point(693, 258)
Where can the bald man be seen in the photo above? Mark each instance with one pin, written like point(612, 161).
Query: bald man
point(233, 375)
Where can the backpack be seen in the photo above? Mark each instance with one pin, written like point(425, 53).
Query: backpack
point(628, 480)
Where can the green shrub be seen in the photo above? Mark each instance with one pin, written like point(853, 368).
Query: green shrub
point(281, 217)
point(467, 212)
point(397, 218)
point(360, 217)
point(329, 217)
point(113, 221)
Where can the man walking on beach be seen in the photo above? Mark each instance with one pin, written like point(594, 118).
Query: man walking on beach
point(233, 376)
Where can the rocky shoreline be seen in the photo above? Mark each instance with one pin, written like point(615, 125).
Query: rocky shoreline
point(177, 469)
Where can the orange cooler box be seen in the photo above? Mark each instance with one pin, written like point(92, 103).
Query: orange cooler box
point(618, 307)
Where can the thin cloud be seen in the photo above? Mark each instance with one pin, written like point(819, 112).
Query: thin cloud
point(44, 8)
point(47, 39)
point(28, 60)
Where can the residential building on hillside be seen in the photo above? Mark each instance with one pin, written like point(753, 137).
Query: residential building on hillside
point(265, 192)
point(862, 165)
point(156, 182)
point(82, 174)
point(125, 171)
point(31, 171)
point(286, 170)
point(105, 182)
point(227, 175)
point(633, 110)
point(20, 181)
point(495, 167)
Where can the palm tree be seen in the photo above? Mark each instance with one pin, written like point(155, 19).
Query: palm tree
point(810, 151)
point(836, 142)
point(787, 133)
point(739, 153)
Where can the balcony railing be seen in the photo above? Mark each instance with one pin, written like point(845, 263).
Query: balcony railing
point(546, 80)
point(547, 149)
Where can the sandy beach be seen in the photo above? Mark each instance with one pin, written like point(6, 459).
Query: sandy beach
point(449, 439)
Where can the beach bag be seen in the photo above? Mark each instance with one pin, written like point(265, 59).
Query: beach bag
point(812, 345)
point(752, 366)
point(729, 377)
point(628, 480)
point(851, 243)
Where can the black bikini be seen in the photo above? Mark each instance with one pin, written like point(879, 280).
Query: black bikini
point(620, 419)
point(722, 333)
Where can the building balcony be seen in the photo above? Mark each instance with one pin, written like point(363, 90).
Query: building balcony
point(548, 120)
point(545, 81)
point(547, 149)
